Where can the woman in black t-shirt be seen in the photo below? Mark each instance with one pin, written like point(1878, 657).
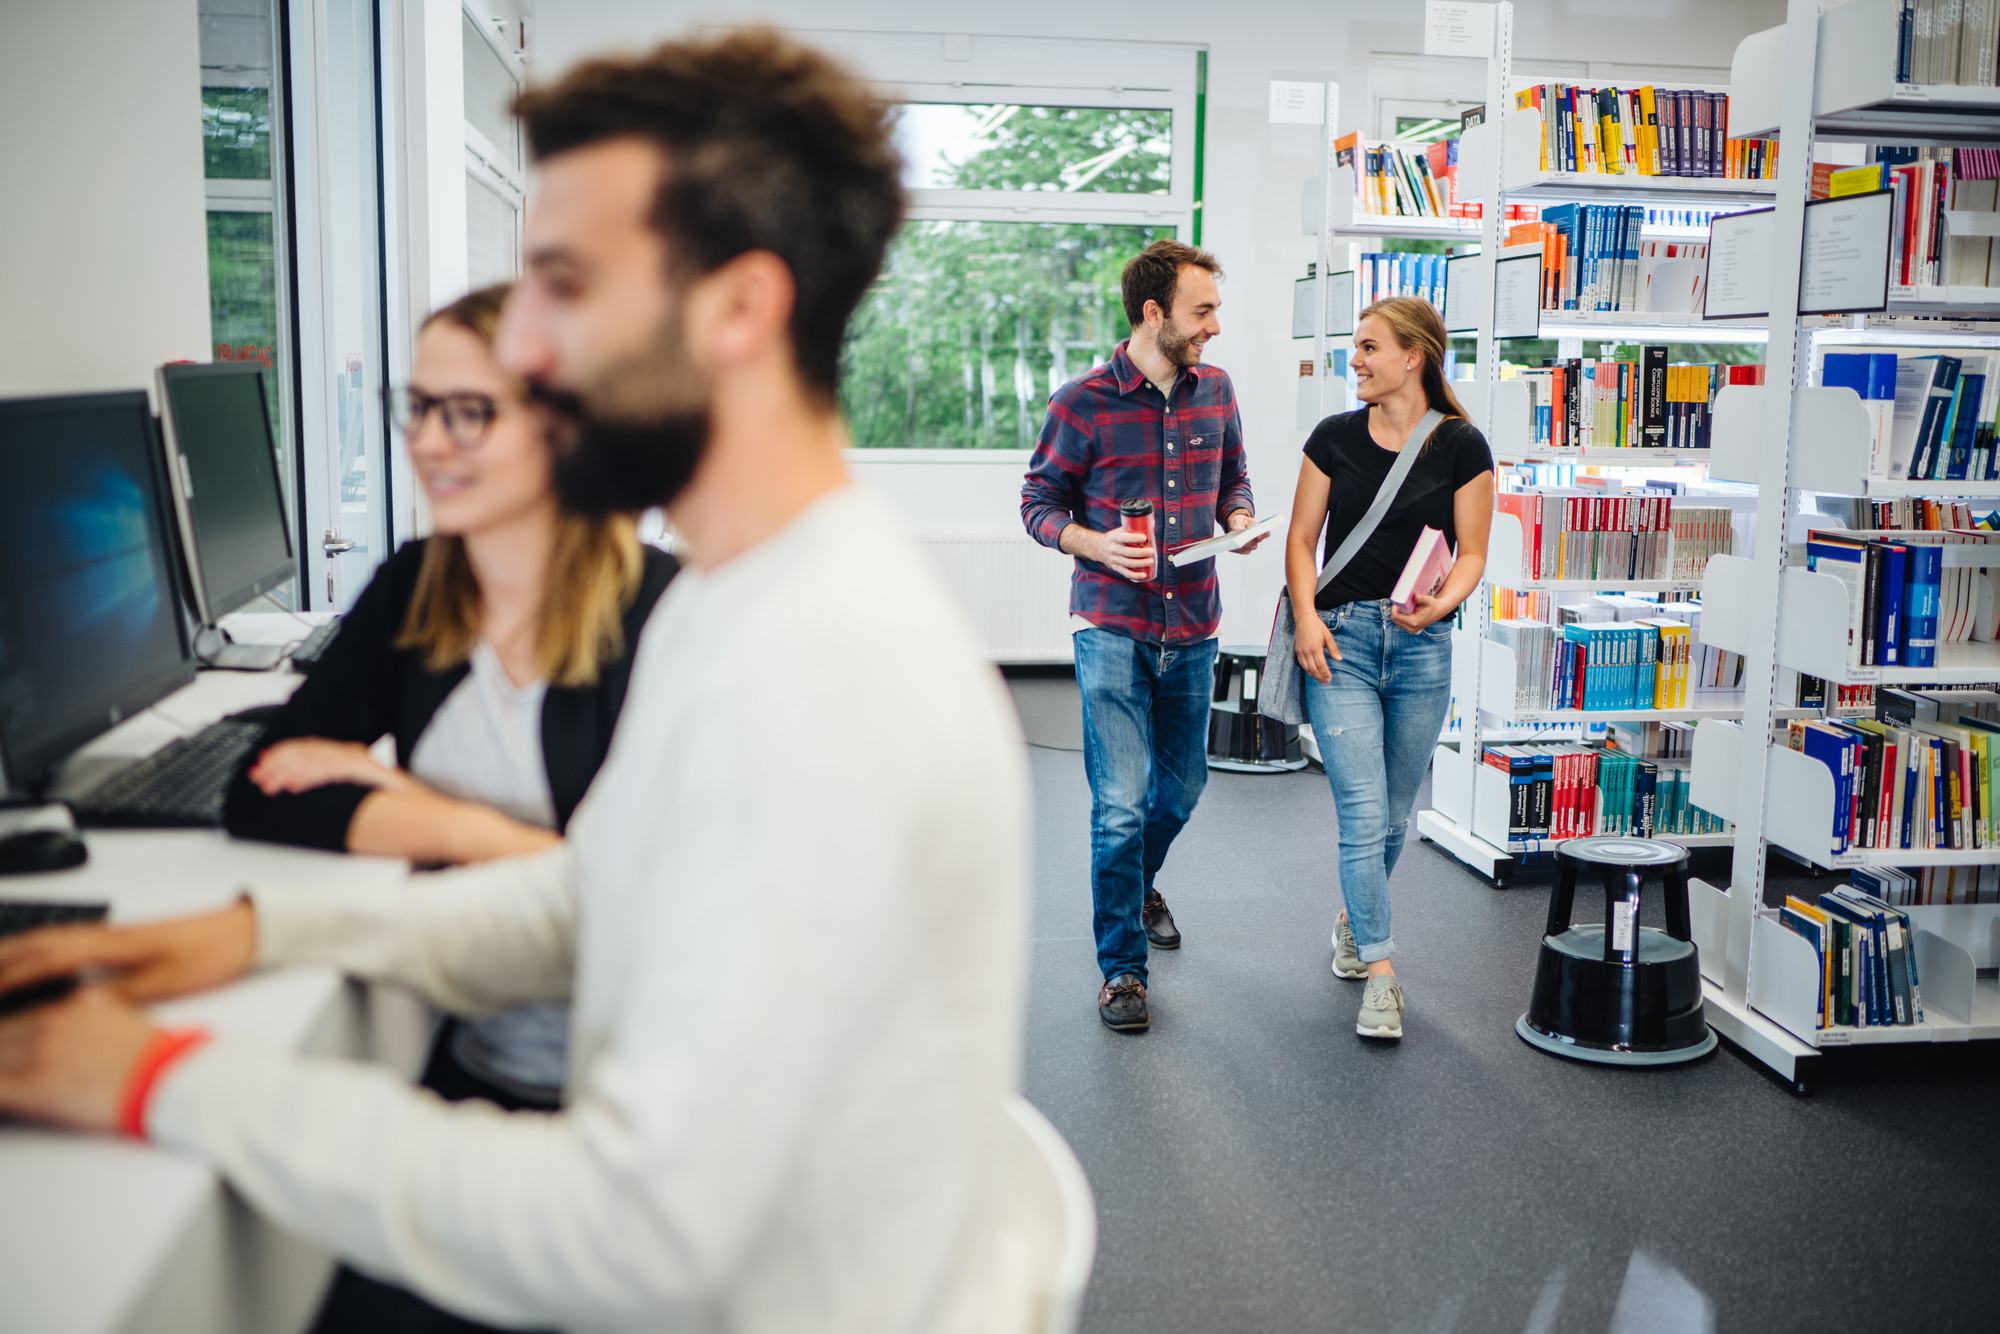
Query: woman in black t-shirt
point(1378, 681)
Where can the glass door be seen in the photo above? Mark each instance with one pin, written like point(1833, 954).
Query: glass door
point(343, 423)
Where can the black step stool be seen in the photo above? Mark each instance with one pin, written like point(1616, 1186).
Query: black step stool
point(1620, 993)
point(1241, 739)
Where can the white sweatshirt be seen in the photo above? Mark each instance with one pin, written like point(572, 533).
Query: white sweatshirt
point(792, 914)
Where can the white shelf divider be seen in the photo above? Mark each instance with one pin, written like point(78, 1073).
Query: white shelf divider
point(1349, 219)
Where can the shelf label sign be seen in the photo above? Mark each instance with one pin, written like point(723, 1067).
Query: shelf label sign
point(1452, 28)
point(1844, 269)
point(1739, 265)
point(1304, 298)
point(1297, 103)
point(1340, 304)
point(1517, 297)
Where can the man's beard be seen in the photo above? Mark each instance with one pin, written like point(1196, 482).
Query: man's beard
point(619, 460)
point(1178, 347)
point(620, 466)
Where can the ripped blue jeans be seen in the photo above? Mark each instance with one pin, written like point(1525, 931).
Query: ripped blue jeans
point(1377, 723)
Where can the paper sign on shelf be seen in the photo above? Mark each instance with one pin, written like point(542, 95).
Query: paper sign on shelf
point(1845, 264)
point(1456, 29)
point(1305, 300)
point(1739, 265)
point(1297, 103)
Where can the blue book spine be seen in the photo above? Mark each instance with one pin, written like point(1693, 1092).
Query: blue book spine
point(1909, 799)
point(1941, 802)
point(1964, 425)
point(1831, 751)
point(1888, 628)
point(1920, 605)
point(1929, 454)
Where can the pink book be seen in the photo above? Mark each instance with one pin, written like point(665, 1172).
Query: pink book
point(1424, 572)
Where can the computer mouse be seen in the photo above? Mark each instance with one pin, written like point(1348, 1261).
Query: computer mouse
point(40, 850)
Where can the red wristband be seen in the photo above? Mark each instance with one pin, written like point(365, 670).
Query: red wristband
point(160, 1054)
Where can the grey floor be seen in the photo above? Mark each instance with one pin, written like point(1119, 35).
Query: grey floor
point(1258, 1167)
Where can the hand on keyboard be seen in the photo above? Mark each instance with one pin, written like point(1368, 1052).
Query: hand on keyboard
point(304, 763)
point(147, 962)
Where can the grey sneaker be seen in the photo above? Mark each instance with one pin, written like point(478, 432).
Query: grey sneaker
point(1346, 954)
point(1381, 1008)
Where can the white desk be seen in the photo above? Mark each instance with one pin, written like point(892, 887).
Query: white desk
point(102, 1236)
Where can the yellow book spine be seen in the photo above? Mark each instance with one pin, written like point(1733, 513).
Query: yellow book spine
point(1649, 133)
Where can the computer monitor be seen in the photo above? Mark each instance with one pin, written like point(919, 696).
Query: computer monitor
point(90, 630)
point(229, 504)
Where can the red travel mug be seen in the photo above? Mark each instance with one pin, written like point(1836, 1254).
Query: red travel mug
point(1136, 516)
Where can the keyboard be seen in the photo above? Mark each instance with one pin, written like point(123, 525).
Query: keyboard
point(307, 655)
point(17, 916)
point(181, 785)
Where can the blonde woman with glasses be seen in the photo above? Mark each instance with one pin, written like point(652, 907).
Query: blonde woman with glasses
point(495, 653)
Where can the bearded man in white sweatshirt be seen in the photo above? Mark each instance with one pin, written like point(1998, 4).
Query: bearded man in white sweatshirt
point(794, 938)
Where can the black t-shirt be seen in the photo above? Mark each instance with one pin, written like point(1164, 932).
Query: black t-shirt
point(1355, 465)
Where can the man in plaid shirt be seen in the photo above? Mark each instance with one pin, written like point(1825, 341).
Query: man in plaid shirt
point(1152, 424)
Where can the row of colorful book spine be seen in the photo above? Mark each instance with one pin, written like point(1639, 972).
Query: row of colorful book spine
point(1557, 791)
point(1644, 131)
point(1868, 975)
point(1930, 414)
point(1644, 404)
point(1616, 536)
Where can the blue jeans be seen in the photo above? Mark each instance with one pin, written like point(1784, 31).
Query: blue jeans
point(1145, 747)
point(1377, 723)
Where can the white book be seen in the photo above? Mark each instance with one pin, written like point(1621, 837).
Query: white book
point(1236, 541)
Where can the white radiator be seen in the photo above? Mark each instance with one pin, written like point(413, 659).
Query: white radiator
point(1014, 590)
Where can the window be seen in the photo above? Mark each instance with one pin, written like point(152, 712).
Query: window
point(242, 146)
point(494, 185)
point(1036, 169)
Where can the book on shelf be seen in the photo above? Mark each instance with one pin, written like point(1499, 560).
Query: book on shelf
point(1646, 131)
point(1868, 976)
point(1615, 536)
point(1947, 41)
point(1599, 667)
point(1383, 275)
point(1872, 377)
point(1566, 790)
point(1932, 886)
point(1903, 600)
point(1940, 230)
point(1648, 403)
point(1397, 180)
point(1919, 786)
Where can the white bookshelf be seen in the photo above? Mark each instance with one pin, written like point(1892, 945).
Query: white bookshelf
point(1468, 814)
point(1830, 76)
point(1855, 95)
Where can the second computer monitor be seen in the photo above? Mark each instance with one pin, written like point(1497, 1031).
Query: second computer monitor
point(229, 500)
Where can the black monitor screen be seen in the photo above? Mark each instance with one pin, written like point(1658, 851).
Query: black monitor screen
point(89, 628)
point(216, 419)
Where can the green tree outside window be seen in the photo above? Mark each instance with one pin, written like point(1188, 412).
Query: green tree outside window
point(971, 325)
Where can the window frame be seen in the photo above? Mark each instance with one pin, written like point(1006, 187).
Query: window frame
point(956, 69)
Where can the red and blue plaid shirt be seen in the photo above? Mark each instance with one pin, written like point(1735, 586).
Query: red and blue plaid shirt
point(1110, 437)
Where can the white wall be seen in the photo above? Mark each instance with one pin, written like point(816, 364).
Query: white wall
point(1254, 170)
point(103, 219)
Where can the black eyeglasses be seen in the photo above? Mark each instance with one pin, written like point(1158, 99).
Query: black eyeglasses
point(467, 417)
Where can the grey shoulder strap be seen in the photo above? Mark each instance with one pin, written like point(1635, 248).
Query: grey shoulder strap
point(1384, 497)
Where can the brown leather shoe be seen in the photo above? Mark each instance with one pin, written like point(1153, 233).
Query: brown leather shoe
point(1121, 1004)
